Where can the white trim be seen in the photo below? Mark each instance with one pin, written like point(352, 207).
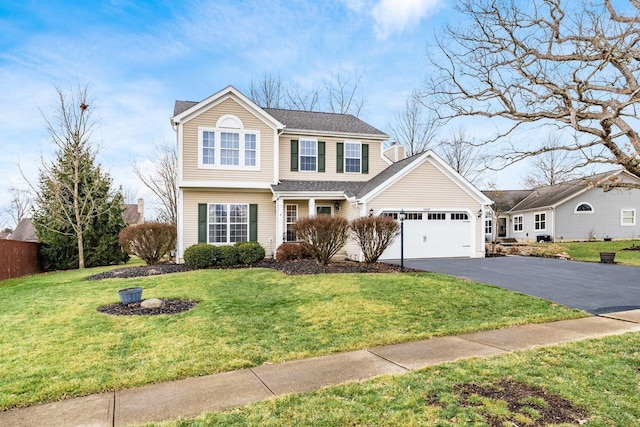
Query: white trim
point(286, 222)
point(339, 135)
point(228, 223)
point(225, 184)
point(279, 223)
point(314, 140)
point(217, 98)
point(229, 121)
point(180, 227)
point(513, 227)
point(344, 157)
point(298, 195)
point(622, 210)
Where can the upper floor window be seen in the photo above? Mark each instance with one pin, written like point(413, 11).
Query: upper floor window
point(540, 221)
point(228, 145)
point(352, 157)
point(584, 208)
point(517, 223)
point(308, 155)
point(627, 217)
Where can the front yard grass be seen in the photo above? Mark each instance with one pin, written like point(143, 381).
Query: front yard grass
point(590, 251)
point(55, 345)
point(599, 378)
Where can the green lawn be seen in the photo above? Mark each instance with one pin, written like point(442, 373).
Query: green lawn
point(597, 377)
point(590, 251)
point(54, 344)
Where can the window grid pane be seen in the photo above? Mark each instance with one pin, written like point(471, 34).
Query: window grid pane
point(291, 219)
point(208, 148)
point(352, 157)
point(229, 148)
point(308, 155)
point(250, 149)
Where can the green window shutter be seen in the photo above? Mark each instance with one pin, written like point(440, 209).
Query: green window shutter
point(253, 223)
point(321, 156)
point(365, 158)
point(294, 155)
point(202, 223)
point(340, 158)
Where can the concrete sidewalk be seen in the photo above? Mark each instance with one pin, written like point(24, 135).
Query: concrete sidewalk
point(194, 396)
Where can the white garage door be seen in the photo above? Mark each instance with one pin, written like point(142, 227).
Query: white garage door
point(432, 235)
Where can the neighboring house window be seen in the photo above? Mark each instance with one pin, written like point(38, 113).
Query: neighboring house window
point(627, 217)
point(352, 157)
point(228, 148)
point(540, 221)
point(436, 216)
point(291, 212)
point(228, 223)
point(208, 148)
point(459, 216)
point(488, 226)
point(517, 223)
point(584, 208)
point(308, 155)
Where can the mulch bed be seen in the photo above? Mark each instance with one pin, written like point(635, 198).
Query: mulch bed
point(169, 306)
point(303, 266)
point(522, 400)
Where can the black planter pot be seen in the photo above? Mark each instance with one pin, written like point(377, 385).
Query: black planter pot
point(129, 295)
point(607, 257)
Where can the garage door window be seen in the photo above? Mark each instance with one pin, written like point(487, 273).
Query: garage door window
point(408, 216)
point(436, 216)
point(459, 216)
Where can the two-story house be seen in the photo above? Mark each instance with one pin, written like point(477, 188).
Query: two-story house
point(247, 173)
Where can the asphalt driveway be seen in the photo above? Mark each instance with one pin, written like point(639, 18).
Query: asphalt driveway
point(593, 287)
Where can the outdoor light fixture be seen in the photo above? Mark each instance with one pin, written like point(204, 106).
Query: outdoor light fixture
point(370, 212)
point(337, 206)
point(480, 213)
point(402, 217)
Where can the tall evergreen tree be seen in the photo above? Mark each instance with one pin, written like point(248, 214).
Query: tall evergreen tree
point(78, 216)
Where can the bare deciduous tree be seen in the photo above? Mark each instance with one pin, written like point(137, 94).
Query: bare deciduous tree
point(570, 64)
point(552, 166)
point(162, 181)
point(268, 91)
point(298, 100)
point(463, 154)
point(412, 127)
point(20, 205)
point(344, 94)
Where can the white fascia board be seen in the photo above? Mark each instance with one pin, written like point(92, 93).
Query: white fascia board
point(225, 184)
point(310, 195)
point(223, 95)
point(347, 135)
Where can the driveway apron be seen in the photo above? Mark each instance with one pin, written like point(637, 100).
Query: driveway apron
point(593, 287)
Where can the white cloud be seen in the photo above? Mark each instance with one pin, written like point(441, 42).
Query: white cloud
point(393, 16)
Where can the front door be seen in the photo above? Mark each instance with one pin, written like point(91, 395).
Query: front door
point(502, 227)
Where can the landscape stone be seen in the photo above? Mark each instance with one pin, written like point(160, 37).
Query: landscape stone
point(151, 303)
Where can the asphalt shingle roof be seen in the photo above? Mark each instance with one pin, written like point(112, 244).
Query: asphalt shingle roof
point(25, 231)
point(308, 120)
point(505, 200)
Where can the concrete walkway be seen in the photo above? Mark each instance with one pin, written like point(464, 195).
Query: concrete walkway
point(194, 396)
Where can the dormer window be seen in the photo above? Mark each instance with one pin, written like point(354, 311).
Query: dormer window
point(228, 145)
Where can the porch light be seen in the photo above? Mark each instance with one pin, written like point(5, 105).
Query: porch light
point(370, 212)
point(337, 206)
point(402, 217)
point(480, 213)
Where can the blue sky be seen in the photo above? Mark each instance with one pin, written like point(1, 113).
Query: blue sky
point(138, 57)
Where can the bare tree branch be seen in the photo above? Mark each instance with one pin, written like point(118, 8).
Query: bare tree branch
point(463, 155)
point(20, 205)
point(343, 94)
point(573, 64)
point(162, 181)
point(268, 91)
point(412, 127)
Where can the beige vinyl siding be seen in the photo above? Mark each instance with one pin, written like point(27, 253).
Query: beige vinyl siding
point(427, 188)
point(376, 163)
point(191, 172)
point(266, 213)
point(351, 250)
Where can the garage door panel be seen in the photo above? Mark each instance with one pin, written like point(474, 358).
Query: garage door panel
point(433, 239)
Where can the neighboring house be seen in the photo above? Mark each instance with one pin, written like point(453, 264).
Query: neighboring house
point(25, 231)
point(247, 173)
point(134, 213)
point(579, 209)
point(5, 233)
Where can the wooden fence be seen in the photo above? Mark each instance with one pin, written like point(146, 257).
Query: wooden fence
point(19, 258)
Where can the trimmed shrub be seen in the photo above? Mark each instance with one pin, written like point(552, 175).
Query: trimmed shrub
point(322, 236)
point(250, 252)
point(226, 256)
point(150, 241)
point(201, 255)
point(374, 234)
point(289, 252)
